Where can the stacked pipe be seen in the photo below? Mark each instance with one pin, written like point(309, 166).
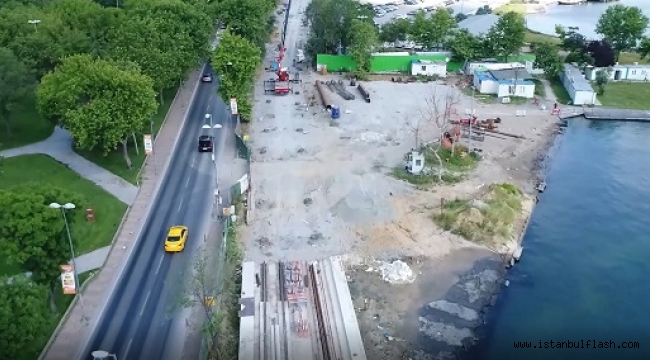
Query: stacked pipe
point(340, 89)
point(364, 93)
point(324, 96)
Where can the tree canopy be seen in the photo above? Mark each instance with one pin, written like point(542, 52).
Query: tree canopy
point(236, 60)
point(363, 42)
point(15, 83)
point(24, 317)
point(506, 37)
point(331, 23)
point(622, 26)
point(32, 234)
point(99, 101)
point(548, 59)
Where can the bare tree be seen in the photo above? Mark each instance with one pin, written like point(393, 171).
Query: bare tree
point(437, 111)
point(416, 127)
point(204, 291)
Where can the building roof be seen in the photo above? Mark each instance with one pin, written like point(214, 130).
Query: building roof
point(578, 82)
point(479, 24)
point(519, 82)
point(511, 74)
point(427, 62)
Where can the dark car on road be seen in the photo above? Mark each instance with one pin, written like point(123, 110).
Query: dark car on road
point(206, 142)
point(207, 77)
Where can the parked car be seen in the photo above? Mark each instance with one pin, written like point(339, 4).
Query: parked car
point(207, 77)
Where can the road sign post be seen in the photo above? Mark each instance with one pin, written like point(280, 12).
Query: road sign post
point(148, 149)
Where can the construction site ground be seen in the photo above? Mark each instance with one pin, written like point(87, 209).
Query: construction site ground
point(323, 187)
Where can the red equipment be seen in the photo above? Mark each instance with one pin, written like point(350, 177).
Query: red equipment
point(282, 83)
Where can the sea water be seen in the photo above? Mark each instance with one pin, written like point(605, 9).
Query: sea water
point(584, 279)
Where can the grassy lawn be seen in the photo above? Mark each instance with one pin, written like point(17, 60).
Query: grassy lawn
point(535, 37)
point(626, 95)
point(88, 235)
point(518, 8)
point(560, 92)
point(631, 58)
point(486, 220)
point(114, 161)
point(456, 165)
point(27, 126)
point(540, 90)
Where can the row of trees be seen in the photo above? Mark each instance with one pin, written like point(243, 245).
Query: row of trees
point(94, 62)
point(622, 29)
point(32, 236)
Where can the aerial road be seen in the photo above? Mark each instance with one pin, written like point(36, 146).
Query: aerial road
point(141, 319)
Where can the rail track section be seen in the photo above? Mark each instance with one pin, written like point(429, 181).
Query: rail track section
point(297, 310)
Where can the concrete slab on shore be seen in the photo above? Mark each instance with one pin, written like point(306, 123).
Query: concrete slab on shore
point(616, 114)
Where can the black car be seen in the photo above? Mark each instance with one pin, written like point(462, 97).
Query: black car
point(207, 77)
point(206, 142)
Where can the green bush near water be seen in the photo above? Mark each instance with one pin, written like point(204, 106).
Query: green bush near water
point(456, 165)
point(483, 220)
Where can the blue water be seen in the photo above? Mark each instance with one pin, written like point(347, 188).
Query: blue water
point(585, 271)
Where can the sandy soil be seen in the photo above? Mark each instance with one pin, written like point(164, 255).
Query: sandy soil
point(322, 187)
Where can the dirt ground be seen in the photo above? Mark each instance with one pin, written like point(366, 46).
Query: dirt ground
point(322, 187)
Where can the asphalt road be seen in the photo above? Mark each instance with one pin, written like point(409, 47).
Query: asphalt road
point(138, 322)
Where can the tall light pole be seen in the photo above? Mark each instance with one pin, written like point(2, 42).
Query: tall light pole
point(35, 23)
point(213, 128)
point(63, 208)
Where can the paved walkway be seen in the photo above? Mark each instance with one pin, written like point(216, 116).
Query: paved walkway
point(59, 147)
point(79, 321)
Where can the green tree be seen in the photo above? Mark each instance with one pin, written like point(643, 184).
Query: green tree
point(431, 31)
point(32, 234)
point(91, 19)
point(396, 30)
point(460, 17)
point(247, 18)
point(506, 37)
point(41, 46)
point(15, 83)
point(236, 61)
point(464, 46)
point(330, 23)
point(644, 47)
point(602, 78)
point(485, 9)
point(99, 102)
point(363, 42)
point(24, 318)
point(622, 26)
point(548, 59)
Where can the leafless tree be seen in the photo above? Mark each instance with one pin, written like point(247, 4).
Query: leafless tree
point(437, 112)
point(204, 291)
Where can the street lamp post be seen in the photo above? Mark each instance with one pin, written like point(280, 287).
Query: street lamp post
point(214, 128)
point(34, 22)
point(63, 208)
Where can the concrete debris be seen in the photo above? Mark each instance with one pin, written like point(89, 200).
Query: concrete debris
point(396, 272)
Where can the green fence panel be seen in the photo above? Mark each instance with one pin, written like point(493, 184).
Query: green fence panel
point(243, 151)
point(382, 64)
point(235, 190)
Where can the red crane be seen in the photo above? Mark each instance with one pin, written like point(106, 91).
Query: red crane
point(283, 74)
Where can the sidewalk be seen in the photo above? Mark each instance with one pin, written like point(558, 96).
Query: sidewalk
point(78, 323)
point(59, 147)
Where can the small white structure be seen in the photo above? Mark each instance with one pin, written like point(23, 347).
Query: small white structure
point(622, 72)
point(415, 163)
point(505, 83)
point(471, 66)
point(577, 86)
point(428, 68)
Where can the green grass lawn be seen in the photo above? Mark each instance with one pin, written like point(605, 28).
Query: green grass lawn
point(560, 92)
point(518, 8)
point(540, 90)
point(27, 126)
point(114, 161)
point(88, 235)
point(626, 95)
point(535, 37)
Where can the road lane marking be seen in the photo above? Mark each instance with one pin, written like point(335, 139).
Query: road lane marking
point(180, 205)
point(187, 182)
point(128, 346)
point(193, 160)
point(146, 299)
point(159, 264)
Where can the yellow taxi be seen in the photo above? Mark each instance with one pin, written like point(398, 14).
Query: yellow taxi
point(176, 237)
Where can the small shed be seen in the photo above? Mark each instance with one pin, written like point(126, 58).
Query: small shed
point(504, 83)
point(577, 86)
point(428, 68)
point(622, 72)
